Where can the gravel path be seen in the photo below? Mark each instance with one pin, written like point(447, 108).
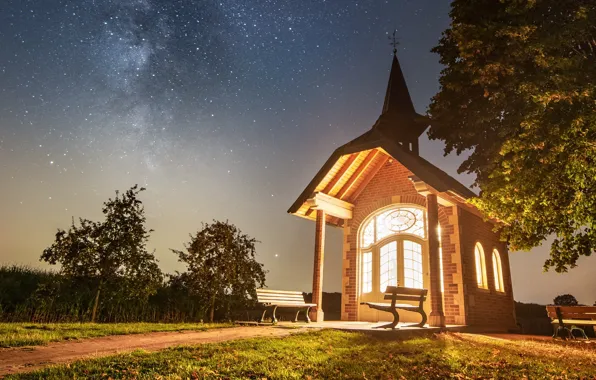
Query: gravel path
point(15, 360)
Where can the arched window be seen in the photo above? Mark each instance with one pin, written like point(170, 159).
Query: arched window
point(480, 266)
point(391, 250)
point(407, 220)
point(498, 272)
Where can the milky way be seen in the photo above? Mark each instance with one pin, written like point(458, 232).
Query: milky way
point(222, 109)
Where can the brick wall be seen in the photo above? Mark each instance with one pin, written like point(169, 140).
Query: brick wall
point(389, 186)
point(487, 309)
point(464, 303)
point(453, 296)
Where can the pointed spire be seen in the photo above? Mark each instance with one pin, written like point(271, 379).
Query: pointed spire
point(397, 99)
point(399, 121)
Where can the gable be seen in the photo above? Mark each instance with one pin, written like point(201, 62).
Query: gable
point(351, 167)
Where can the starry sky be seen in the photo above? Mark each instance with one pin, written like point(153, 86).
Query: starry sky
point(223, 109)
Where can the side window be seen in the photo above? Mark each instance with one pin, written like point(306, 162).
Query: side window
point(498, 271)
point(480, 266)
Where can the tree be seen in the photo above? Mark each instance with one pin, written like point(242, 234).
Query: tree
point(518, 93)
point(565, 300)
point(221, 265)
point(110, 251)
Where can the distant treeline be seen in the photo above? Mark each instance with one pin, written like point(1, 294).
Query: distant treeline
point(33, 295)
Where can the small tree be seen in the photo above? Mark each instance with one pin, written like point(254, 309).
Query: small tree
point(114, 249)
point(565, 300)
point(221, 265)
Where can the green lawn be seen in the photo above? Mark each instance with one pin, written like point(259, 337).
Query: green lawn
point(335, 355)
point(31, 334)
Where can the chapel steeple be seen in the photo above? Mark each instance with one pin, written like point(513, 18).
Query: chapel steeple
point(399, 120)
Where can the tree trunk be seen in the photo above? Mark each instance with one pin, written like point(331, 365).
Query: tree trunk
point(94, 313)
point(212, 309)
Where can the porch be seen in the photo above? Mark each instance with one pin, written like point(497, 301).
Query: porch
point(403, 330)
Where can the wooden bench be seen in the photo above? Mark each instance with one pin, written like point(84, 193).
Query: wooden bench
point(566, 318)
point(396, 293)
point(274, 299)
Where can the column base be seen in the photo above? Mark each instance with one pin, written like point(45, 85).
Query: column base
point(316, 315)
point(436, 321)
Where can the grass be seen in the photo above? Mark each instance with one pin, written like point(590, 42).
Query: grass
point(33, 334)
point(335, 355)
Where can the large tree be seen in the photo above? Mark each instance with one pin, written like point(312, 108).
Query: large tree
point(518, 93)
point(221, 265)
point(112, 251)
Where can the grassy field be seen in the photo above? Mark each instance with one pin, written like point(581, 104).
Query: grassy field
point(336, 355)
point(31, 334)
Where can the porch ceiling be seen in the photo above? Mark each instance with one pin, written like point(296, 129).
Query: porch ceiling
point(348, 176)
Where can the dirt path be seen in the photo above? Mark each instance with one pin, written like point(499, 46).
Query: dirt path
point(15, 360)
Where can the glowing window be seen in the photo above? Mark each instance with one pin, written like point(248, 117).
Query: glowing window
point(388, 268)
point(367, 272)
point(498, 271)
point(413, 265)
point(407, 220)
point(368, 237)
point(480, 266)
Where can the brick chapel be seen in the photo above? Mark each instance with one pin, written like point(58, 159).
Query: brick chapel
point(406, 223)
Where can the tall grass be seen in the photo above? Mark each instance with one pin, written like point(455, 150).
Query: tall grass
point(34, 295)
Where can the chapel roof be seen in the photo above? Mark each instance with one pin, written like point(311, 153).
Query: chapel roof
point(351, 166)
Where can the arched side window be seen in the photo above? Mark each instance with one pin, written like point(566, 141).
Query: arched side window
point(480, 266)
point(498, 271)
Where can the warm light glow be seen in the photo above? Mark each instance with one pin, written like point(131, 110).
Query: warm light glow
point(388, 258)
point(407, 220)
point(412, 265)
point(441, 260)
point(480, 266)
point(367, 272)
point(498, 271)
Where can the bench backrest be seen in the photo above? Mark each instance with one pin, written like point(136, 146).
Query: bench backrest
point(398, 293)
point(571, 312)
point(267, 296)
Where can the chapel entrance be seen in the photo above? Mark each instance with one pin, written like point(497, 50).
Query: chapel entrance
point(393, 252)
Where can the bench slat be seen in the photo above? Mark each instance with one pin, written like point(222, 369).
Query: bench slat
point(585, 322)
point(388, 305)
point(408, 291)
point(278, 291)
point(404, 298)
point(281, 298)
point(297, 296)
point(300, 305)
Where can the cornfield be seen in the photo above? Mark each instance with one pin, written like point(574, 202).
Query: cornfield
point(34, 295)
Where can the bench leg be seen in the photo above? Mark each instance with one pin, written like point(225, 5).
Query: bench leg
point(563, 333)
point(574, 328)
point(263, 316)
point(393, 324)
point(274, 318)
point(306, 314)
point(424, 318)
point(296, 318)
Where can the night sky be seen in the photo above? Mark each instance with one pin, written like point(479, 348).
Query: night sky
point(222, 109)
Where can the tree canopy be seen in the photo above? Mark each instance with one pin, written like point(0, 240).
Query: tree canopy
point(565, 300)
point(110, 251)
point(518, 93)
point(221, 266)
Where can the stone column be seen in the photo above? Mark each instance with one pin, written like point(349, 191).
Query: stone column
point(316, 314)
point(437, 317)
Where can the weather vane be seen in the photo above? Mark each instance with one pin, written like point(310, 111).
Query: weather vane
point(394, 42)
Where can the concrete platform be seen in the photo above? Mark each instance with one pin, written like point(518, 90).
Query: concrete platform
point(403, 330)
